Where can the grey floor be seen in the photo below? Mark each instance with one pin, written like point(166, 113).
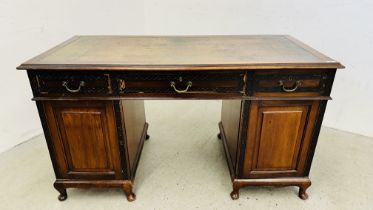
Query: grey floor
point(183, 167)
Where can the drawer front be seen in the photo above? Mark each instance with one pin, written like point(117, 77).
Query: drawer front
point(71, 84)
point(286, 82)
point(181, 82)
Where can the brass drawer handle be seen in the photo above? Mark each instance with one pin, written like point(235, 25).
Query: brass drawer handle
point(81, 84)
point(122, 85)
point(297, 84)
point(172, 84)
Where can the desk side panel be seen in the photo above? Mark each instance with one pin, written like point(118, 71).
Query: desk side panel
point(230, 117)
point(133, 113)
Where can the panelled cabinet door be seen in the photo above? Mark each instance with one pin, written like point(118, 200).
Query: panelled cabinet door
point(278, 138)
point(84, 139)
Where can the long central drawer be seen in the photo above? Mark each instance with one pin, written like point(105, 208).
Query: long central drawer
point(178, 83)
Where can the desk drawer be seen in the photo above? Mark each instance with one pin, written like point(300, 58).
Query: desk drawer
point(287, 82)
point(181, 82)
point(61, 84)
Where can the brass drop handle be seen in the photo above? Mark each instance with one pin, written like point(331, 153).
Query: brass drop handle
point(122, 85)
point(172, 84)
point(81, 84)
point(298, 83)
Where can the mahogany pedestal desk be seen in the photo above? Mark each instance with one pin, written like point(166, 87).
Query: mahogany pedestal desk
point(89, 92)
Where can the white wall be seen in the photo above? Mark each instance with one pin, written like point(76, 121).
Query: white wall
point(341, 29)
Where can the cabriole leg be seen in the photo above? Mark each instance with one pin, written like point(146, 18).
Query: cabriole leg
point(235, 194)
point(62, 190)
point(302, 191)
point(129, 193)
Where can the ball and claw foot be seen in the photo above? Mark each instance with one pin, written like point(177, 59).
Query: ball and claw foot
point(219, 135)
point(235, 195)
point(147, 137)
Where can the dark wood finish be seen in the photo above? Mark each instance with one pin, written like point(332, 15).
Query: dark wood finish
point(230, 125)
point(62, 190)
point(228, 156)
point(277, 145)
point(300, 82)
point(200, 82)
point(126, 185)
point(85, 139)
point(134, 127)
point(151, 96)
point(278, 139)
point(287, 98)
point(72, 84)
point(180, 53)
point(302, 182)
point(89, 92)
point(85, 143)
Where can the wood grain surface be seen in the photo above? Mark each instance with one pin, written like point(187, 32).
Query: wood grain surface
point(180, 53)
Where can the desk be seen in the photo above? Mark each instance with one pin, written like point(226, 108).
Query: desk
point(89, 92)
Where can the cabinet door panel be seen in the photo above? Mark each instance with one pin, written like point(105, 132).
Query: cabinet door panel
point(279, 133)
point(84, 139)
point(279, 137)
